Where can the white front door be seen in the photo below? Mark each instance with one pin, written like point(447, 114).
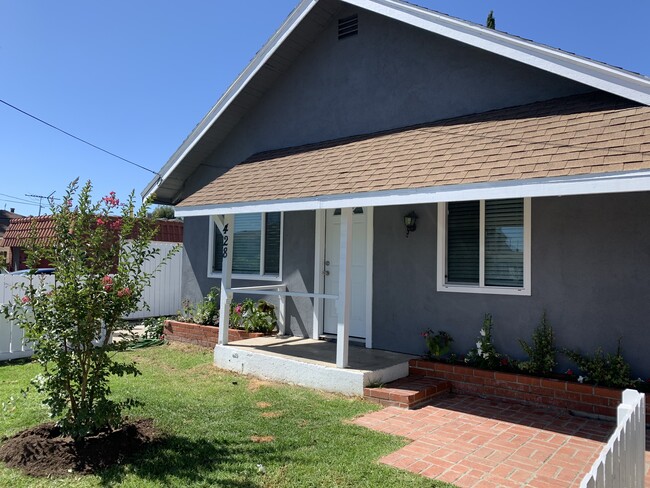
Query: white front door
point(358, 273)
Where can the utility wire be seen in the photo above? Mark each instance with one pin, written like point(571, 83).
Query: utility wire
point(18, 202)
point(20, 199)
point(79, 139)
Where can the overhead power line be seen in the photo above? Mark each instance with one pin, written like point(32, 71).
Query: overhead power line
point(80, 139)
point(18, 199)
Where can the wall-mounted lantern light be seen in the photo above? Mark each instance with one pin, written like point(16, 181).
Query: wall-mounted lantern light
point(409, 222)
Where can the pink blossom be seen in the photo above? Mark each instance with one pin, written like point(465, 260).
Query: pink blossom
point(68, 202)
point(100, 221)
point(108, 283)
point(110, 200)
point(238, 309)
point(124, 292)
point(25, 299)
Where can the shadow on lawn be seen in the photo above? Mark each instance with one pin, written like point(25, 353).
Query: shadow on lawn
point(182, 460)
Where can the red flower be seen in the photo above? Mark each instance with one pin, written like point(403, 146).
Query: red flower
point(110, 200)
point(100, 221)
point(124, 292)
point(569, 372)
point(238, 309)
point(504, 361)
point(25, 299)
point(108, 283)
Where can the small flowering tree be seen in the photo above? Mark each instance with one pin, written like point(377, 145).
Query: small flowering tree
point(100, 277)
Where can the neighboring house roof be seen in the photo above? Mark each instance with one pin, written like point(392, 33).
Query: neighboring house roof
point(588, 134)
point(5, 218)
point(303, 25)
point(20, 231)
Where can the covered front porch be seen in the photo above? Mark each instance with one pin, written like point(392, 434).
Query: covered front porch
point(311, 363)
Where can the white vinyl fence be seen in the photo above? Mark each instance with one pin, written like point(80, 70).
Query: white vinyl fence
point(164, 294)
point(163, 297)
point(622, 462)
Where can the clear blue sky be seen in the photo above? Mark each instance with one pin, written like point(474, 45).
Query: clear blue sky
point(135, 76)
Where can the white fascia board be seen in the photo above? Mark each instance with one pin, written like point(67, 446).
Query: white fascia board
point(582, 70)
point(540, 187)
point(233, 91)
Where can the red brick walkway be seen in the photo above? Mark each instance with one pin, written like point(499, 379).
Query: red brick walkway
point(473, 442)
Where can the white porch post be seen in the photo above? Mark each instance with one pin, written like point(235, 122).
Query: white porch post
point(343, 302)
point(228, 232)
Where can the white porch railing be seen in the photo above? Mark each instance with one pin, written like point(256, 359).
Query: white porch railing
point(281, 292)
point(163, 297)
point(622, 461)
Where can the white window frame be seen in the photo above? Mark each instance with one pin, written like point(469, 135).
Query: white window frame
point(243, 276)
point(481, 287)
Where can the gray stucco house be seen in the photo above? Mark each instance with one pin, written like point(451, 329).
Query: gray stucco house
point(528, 169)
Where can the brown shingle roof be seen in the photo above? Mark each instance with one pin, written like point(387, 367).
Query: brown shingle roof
point(592, 133)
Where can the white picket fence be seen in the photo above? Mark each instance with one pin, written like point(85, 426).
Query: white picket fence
point(163, 297)
point(622, 461)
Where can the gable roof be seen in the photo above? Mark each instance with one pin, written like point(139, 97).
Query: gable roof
point(581, 136)
point(310, 16)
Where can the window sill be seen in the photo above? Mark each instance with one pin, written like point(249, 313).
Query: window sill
point(248, 277)
point(484, 290)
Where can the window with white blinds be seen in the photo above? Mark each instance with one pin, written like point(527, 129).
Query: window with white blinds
point(256, 245)
point(463, 242)
point(504, 243)
point(484, 246)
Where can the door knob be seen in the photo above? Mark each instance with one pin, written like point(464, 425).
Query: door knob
point(327, 263)
point(326, 273)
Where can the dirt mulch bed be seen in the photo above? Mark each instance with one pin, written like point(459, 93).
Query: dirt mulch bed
point(42, 451)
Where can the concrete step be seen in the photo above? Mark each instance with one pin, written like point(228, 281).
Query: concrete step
point(409, 392)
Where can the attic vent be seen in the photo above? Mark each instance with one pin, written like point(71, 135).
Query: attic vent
point(348, 27)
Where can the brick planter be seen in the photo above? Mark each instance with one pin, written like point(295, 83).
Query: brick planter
point(578, 397)
point(203, 335)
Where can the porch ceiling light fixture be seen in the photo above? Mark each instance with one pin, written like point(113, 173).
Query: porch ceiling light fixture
point(409, 222)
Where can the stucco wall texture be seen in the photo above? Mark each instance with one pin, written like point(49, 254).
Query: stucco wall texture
point(590, 262)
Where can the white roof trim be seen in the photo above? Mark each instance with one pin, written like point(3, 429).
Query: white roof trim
point(540, 187)
point(591, 73)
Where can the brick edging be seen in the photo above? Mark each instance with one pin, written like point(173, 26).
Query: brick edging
point(202, 335)
point(595, 400)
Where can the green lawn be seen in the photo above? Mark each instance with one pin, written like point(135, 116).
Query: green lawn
point(209, 418)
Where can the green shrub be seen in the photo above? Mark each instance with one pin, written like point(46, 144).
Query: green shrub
point(253, 316)
point(438, 343)
point(154, 327)
point(542, 352)
point(207, 311)
point(485, 355)
point(603, 369)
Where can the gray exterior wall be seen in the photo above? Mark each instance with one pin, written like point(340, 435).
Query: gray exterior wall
point(590, 272)
point(298, 267)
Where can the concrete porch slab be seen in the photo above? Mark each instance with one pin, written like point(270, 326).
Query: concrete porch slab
point(311, 363)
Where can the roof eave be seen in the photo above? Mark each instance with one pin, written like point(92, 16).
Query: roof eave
point(590, 184)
